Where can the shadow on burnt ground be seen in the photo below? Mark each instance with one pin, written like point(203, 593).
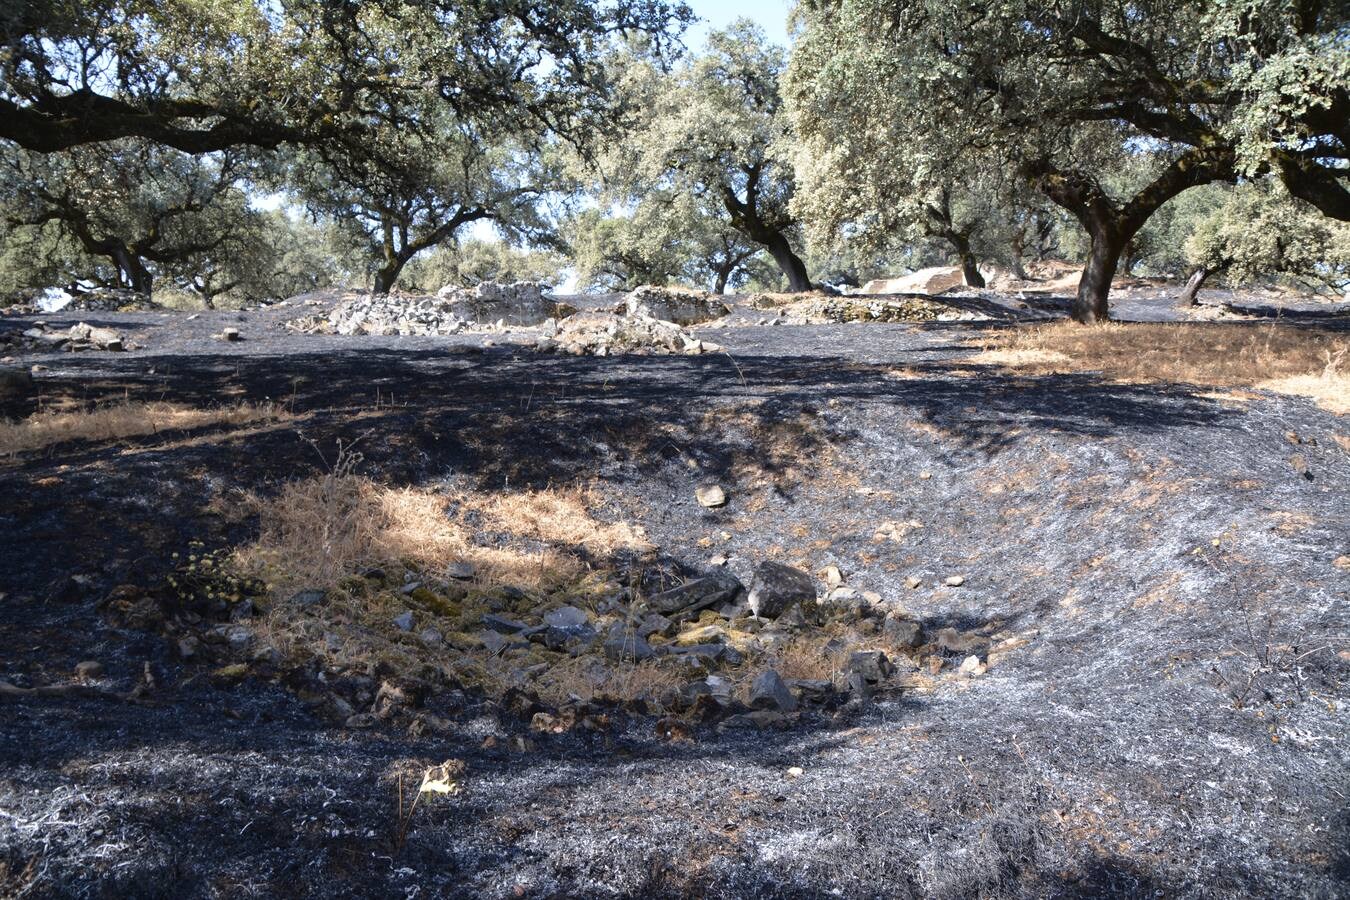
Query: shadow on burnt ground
point(502, 417)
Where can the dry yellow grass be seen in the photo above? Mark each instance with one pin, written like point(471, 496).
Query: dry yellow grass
point(316, 532)
point(1282, 358)
point(122, 420)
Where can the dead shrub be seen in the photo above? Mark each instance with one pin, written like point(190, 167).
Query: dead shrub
point(1302, 361)
point(124, 419)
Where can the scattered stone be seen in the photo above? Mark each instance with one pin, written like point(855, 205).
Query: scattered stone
point(89, 670)
point(361, 720)
point(460, 570)
point(718, 559)
point(404, 621)
point(951, 640)
point(913, 582)
point(431, 637)
point(796, 772)
point(769, 691)
point(777, 587)
point(955, 580)
point(833, 577)
point(188, 647)
point(654, 623)
point(760, 718)
point(710, 496)
point(306, 599)
point(230, 335)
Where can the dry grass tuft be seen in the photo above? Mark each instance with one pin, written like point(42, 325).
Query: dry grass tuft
point(318, 531)
point(123, 420)
point(1301, 361)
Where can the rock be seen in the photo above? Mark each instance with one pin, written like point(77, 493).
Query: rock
point(718, 559)
point(913, 582)
point(625, 645)
point(955, 580)
point(361, 720)
point(710, 496)
point(431, 637)
point(796, 772)
point(768, 691)
point(306, 599)
point(971, 666)
point(188, 647)
point(229, 334)
point(239, 637)
point(503, 625)
point(654, 623)
point(673, 305)
point(760, 718)
point(404, 621)
point(833, 577)
point(697, 594)
point(460, 569)
point(872, 665)
point(953, 641)
point(777, 587)
point(812, 687)
point(901, 631)
point(89, 670)
point(700, 635)
point(566, 617)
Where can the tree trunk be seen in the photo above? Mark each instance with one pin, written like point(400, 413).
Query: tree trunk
point(1019, 247)
point(1191, 291)
point(1090, 305)
point(789, 262)
point(137, 276)
point(723, 276)
point(387, 275)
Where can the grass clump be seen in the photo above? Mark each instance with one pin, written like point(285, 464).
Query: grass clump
point(122, 420)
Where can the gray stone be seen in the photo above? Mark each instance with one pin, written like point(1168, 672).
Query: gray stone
point(902, 632)
point(697, 594)
point(769, 691)
point(89, 669)
point(654, 623)
point(229, 334)
point(503, 625)
point(710, 496)
point(460, 569)
point(404, 621)
point(872, 665)
point(431, 637)
point(777, 587)
point(567, 617)
point(625, 645)
point(306, 599)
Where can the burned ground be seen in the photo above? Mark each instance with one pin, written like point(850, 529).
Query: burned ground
point(1164, 564)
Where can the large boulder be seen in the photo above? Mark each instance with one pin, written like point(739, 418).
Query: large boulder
point(776, 588)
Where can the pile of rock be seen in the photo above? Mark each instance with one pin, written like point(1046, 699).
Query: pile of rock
point(605, 334)
point(683, 307)
point(452, 311)
point(43, 338)
point(101, 300)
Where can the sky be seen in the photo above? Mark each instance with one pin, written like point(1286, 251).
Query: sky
point(771, 15)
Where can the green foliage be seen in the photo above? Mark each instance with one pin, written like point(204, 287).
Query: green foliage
point(712, 133)
point(472, 262)
point(1259, 231)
